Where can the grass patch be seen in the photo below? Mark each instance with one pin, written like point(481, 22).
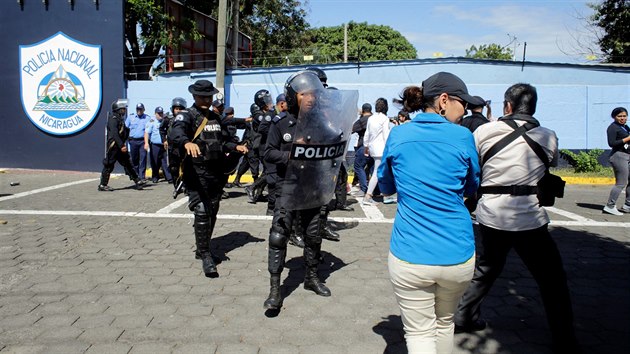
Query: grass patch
point(570, 172)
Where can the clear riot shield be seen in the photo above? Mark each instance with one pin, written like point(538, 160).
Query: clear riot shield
point(319, 146)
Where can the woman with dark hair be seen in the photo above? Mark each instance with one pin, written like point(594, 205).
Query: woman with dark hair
point(374, 140)
point(431, 162)
point(619, 140)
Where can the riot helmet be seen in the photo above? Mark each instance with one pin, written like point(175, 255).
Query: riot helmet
point(178, 102)
point(262, 98)
point(253, 109)
point(120, 103)
point(320, 74)
point(302, 81)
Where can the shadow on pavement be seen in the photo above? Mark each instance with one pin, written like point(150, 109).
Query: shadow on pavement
point(391, 329)
point(590, 206)
point(598, 273)
point(222, 245)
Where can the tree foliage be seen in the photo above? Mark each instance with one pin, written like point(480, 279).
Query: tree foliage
point(146, 31)
point(489, 51)
point(275, 27)
point(365, 43)
point(613, 18)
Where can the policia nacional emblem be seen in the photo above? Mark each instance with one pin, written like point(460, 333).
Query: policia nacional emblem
point(61, 85)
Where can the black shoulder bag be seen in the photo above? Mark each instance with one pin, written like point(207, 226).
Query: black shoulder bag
point(548, 187)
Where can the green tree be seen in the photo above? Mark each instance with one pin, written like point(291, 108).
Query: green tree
point(365, 43)
point(275, 26)
point(613, 18)
point(147, 30)
point(489, 51)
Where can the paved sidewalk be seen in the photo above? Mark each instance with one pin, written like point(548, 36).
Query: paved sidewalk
point(95, 272)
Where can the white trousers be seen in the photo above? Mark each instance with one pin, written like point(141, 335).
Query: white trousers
point(428, 296)
point(374, 178)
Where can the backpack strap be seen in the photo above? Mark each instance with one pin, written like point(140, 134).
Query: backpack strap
point(518, 131)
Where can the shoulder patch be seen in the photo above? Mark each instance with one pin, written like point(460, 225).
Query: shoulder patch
point(179, 117)
point(287, 137)
point(259, 118)
point(152, 120)
point(267, 118)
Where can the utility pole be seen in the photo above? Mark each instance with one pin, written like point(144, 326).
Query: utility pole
point(235, 29)
point(345, 42)
point(221, 31)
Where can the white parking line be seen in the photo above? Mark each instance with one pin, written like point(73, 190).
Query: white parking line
point(174, 205)
point(568, 214)
point(382, 220)
point(46, 189)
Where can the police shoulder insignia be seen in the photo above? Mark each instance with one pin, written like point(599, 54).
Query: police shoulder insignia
point(268, 118)
point(259, 118)
point(152, 120)
point(287, 137)
point(179, 117)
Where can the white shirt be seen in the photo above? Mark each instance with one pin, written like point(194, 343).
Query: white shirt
point(516, 164)
point(376, 134)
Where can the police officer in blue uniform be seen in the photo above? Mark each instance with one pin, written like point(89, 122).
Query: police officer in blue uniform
point(117, 134)
point(136, 124)
point(154, 144)
point(285, 221)
point(205, 144)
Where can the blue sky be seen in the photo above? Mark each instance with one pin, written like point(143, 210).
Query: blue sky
point(451, 27)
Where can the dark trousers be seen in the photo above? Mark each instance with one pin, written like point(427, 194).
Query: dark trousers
point(341, 191)
point(138, 157)
point(158, 159)
point(115, 155)
point(250, 161)
point(361, 166)
point(540, 254)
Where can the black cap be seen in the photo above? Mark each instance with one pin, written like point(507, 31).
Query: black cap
point(281, 98)
point(217, 103)
point(140, 106)
point(366, 107)
point(228, 110)
point(202, 88)
point(477, 105)
point(159, 109)
point(450, 84)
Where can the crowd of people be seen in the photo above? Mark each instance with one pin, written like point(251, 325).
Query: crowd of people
point(437, 165)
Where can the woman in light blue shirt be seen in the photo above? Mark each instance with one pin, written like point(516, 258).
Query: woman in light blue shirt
point(431, 162)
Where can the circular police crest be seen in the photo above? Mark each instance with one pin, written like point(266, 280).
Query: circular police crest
point(179, 117)
point(268, 118)
point(287, 137)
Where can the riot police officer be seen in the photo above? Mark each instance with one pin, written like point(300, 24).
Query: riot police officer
point(117, 135)
point(301, 180)
point(174, 159)
point(204, 142)
point(260, 125)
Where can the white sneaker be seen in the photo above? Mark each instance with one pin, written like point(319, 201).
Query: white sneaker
point(368, 201)
point(612, 211)
point(389, 199)
point(625, 208)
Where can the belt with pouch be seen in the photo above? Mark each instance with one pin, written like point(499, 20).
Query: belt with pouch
point(511, 190)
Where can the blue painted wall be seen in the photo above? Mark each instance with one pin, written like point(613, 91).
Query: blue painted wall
point(574, 100)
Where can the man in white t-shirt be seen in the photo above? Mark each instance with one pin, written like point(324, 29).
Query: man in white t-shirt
point(512, 218)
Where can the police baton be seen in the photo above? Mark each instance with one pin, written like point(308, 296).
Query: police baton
point(178, 189)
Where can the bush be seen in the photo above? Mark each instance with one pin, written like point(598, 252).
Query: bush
point(585, 161)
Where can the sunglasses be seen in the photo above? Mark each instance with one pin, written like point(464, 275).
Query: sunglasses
point(464, 103)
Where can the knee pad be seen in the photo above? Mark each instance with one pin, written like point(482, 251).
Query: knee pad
point(201, 213)
point(277, 240)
